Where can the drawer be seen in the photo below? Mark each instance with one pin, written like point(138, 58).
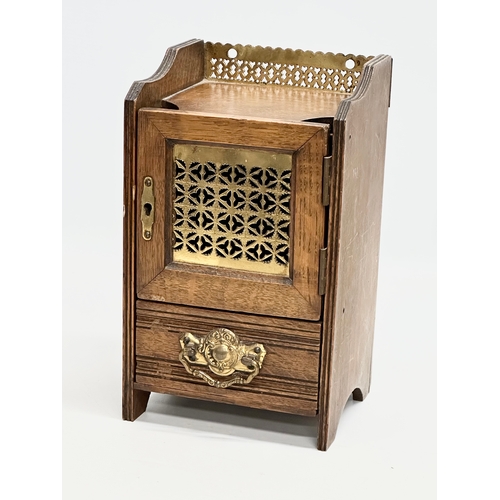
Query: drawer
point(287, 381)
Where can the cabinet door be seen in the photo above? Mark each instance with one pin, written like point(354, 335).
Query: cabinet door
point(230, 213)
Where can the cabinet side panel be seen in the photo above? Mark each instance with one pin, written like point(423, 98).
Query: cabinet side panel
point(182, 66)
point(354, 237)
point(133, 402)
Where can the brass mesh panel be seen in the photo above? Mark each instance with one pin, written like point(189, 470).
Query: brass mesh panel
point(232, 208)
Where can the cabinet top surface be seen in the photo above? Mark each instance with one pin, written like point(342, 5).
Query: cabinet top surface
point(260, 101)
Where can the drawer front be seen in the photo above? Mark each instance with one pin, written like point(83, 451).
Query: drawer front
point(287, 381)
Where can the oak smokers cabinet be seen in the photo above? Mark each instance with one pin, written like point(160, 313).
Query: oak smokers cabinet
point(253, 191)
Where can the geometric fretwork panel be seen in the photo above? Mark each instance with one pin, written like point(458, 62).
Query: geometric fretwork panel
point(293, 75)
point(232, 208)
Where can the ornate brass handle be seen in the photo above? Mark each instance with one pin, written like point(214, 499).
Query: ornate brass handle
point(224, 354)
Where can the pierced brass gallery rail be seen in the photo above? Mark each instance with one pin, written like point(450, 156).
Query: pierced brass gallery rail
point(276, 66)
point(224, 354)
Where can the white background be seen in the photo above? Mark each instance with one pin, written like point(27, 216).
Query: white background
point(385, 446)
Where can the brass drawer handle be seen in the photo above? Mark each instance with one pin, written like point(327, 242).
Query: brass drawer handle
point(224, 354)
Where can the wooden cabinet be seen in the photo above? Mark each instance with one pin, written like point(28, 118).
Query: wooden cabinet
point(253, 190)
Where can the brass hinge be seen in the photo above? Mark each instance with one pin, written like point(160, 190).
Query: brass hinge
point(327, 174)
point(322, 271)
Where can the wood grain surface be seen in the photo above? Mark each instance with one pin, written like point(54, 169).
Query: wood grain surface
point(264, 101)
point(353, 242)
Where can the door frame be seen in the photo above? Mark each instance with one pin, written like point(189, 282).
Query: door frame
point(157, 279)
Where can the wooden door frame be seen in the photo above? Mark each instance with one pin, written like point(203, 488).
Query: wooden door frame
point(295, 297)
